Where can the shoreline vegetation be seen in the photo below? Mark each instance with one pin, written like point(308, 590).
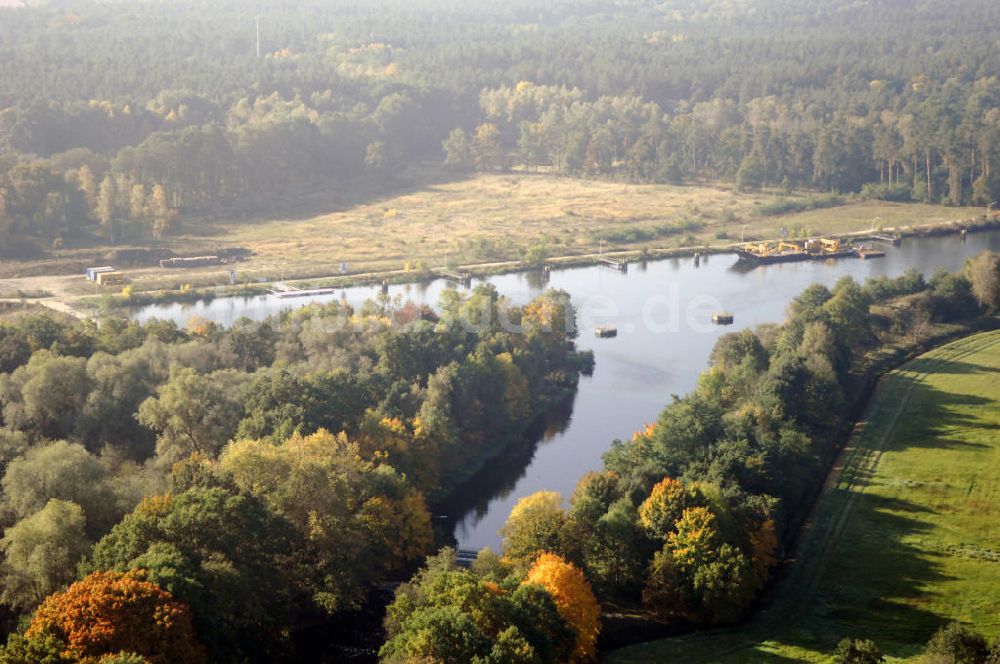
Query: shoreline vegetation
point(287, 465)
point(726, 477)
point(727, 472)
point(774, 627)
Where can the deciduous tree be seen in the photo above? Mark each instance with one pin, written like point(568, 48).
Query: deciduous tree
point(535, 525)
point(41, 553)
point(194, 412)
point(108, 612)
point(227, 556)
point(65, 471)
point(574, 600)
point(983, 272)
point(356, 519)
point(659, 513)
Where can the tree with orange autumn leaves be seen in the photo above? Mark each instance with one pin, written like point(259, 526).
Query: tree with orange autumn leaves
point(107, 613)
point(574, 599)
point(686, 551)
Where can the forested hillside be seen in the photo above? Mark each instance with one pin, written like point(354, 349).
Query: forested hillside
point(121, 121)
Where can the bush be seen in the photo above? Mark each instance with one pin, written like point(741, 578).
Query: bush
point(632, 235)
point(780, 206)
point(536, 254)
point(899, 193)
point(956, 644)
point(859, 651)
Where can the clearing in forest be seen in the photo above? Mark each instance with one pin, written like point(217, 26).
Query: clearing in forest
point(497, 218)
point(906, 540)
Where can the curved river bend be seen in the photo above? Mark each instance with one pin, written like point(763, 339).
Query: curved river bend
point(662, 310)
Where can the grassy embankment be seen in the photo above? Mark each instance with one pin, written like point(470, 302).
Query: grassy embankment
point(491, 219)
point(906, 539)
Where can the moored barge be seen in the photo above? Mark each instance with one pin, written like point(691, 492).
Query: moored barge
point(814, 249)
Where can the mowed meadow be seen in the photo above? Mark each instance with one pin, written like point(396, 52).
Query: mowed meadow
point(907, 538)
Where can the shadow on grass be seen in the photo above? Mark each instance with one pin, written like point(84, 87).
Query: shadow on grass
point(932, 365)
point(856, 572)
point(864, 581)
point(322, 200)
point(771, 658)
point(938, 414)
point(861, 570)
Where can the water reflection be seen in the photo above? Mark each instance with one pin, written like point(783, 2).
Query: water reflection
point(662, 312)
point(471, 502)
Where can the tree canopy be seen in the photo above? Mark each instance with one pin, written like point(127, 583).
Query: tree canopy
point(894, 101)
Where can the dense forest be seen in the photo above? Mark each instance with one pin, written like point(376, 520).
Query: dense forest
point(121, 121)
point(258, 477)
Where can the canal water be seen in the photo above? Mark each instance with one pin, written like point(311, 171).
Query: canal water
point(662, 310)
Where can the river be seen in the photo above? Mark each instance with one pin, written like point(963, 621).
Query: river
point(663, 313)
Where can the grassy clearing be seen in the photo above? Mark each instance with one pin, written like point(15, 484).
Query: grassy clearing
point(485, 218)
point(12, 312)
point(907, 540)
point(498, 217)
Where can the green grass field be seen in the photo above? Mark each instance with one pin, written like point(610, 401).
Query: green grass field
point(906, 539)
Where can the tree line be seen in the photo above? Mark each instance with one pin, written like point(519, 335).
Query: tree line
point(900, 99)
point(929, 141)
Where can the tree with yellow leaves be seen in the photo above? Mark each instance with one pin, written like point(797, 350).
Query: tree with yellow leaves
point(486, 149)
point(358, 518)
point(695, 537)
point(574, 600)
point(535, 524)
point(550, 318)
point(664, 506)
point(697, 574)
point(517, 394)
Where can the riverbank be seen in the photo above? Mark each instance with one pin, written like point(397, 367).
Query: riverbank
point(839, 526)
point(488, 269)
point(650, 357)
point(485, 224)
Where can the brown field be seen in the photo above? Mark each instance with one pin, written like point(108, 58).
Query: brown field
point(492, 218)
point(446, 222)
point(495, 218)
